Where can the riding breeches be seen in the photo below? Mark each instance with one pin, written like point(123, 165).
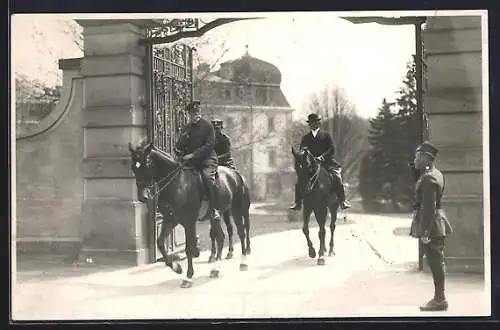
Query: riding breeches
point(209, 173)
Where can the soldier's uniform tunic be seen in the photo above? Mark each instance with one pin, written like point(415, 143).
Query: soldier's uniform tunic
point(430, 221)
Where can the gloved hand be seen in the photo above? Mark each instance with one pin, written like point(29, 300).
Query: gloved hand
point(320, 158)
point(187, 157)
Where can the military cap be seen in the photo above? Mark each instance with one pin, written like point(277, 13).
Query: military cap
point(313, 118)
point(217, 123)
point(193, 106)
point(428, 148)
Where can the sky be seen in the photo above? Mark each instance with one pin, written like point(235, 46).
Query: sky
point(313, 51)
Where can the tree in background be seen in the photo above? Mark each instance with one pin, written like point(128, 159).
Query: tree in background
point(385, 174)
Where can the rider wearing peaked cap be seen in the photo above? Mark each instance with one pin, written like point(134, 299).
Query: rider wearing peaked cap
point(222, 145)
point(195, 146)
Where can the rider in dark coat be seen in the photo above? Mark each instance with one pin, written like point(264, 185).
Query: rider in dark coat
point(430, 223)
point(195, 146)
point(222, 145)
point(321, 146)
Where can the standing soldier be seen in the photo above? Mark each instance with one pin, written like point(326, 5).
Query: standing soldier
point(195, 146)
point(222, 145)
point(320, 144)
point(430, 224)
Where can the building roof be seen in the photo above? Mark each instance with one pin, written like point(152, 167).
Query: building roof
point(249, 69)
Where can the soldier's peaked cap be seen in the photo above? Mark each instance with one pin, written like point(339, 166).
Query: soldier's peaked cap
point(313, 118)
point(428, 148)
point(193, 105)
point(217, 122)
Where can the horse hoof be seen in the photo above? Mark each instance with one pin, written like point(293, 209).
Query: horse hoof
point(229, 255)
point(312, 253)
point(178, 269)
point(331, 254)
point(243, 267)
point(214, 273)
point(249, 251)
point(211, 259)
point(321, 262)
point(186, 284)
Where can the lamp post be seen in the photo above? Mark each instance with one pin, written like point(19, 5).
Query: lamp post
point(417, 21)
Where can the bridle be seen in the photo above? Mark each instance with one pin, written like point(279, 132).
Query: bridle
point(163, 183)
point(313, 169)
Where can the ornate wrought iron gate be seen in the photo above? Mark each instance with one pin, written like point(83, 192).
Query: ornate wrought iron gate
point(169, 90)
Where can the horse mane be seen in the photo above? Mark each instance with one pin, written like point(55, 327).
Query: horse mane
point(164, 156)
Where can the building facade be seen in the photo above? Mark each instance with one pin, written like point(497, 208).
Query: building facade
point(245, 93)
point(453, 103)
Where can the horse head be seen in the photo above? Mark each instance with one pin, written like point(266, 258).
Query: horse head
point(142, 168)
point(304, 160)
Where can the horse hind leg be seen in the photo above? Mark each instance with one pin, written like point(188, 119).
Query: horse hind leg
point(229, 226)
point(333, 221)
point(240, 228)
point(246, 224)
point(213, 250)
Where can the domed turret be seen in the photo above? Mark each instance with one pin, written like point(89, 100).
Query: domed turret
point(248, 69)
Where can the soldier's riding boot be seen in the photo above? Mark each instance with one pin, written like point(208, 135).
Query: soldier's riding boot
point(298, 199)
point(212, 195)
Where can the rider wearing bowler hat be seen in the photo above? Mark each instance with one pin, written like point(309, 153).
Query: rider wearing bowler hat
point(320, 144)
point(195, 146)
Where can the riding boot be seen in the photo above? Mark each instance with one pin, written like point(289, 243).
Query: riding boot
point(344, 204)
point(213, 201)
point(298, 199)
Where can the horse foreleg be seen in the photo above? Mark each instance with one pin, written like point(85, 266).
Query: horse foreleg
point(166, 229)
point(333, 221)
point(229, 226)
point(305, 229)
point(191, 252)
point(320, 215)
point(213, 251)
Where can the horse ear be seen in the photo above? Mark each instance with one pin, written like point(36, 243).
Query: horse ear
point(149, 148)
point(294, 152)
point(130, 147)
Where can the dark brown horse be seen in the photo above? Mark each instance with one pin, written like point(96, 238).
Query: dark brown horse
point(180, 199)
point(319, 196)
point(242, 222)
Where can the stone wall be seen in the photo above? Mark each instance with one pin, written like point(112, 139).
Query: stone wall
point(49, 184)
point(453, 102)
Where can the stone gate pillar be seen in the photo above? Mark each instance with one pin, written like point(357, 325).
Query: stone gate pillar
point(453, 102)
point(114, 225)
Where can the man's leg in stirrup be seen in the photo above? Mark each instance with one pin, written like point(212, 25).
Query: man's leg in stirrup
point(344, 204)
point(298, 198)
point(209, 173)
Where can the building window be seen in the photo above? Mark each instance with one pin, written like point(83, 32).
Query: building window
point(262, 96)
point(226, 94)
point(272, 158)
point(229, 123)
point(270, 124)
point(244, 124)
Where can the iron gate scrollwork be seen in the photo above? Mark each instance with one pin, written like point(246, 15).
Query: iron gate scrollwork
point(170, 89)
